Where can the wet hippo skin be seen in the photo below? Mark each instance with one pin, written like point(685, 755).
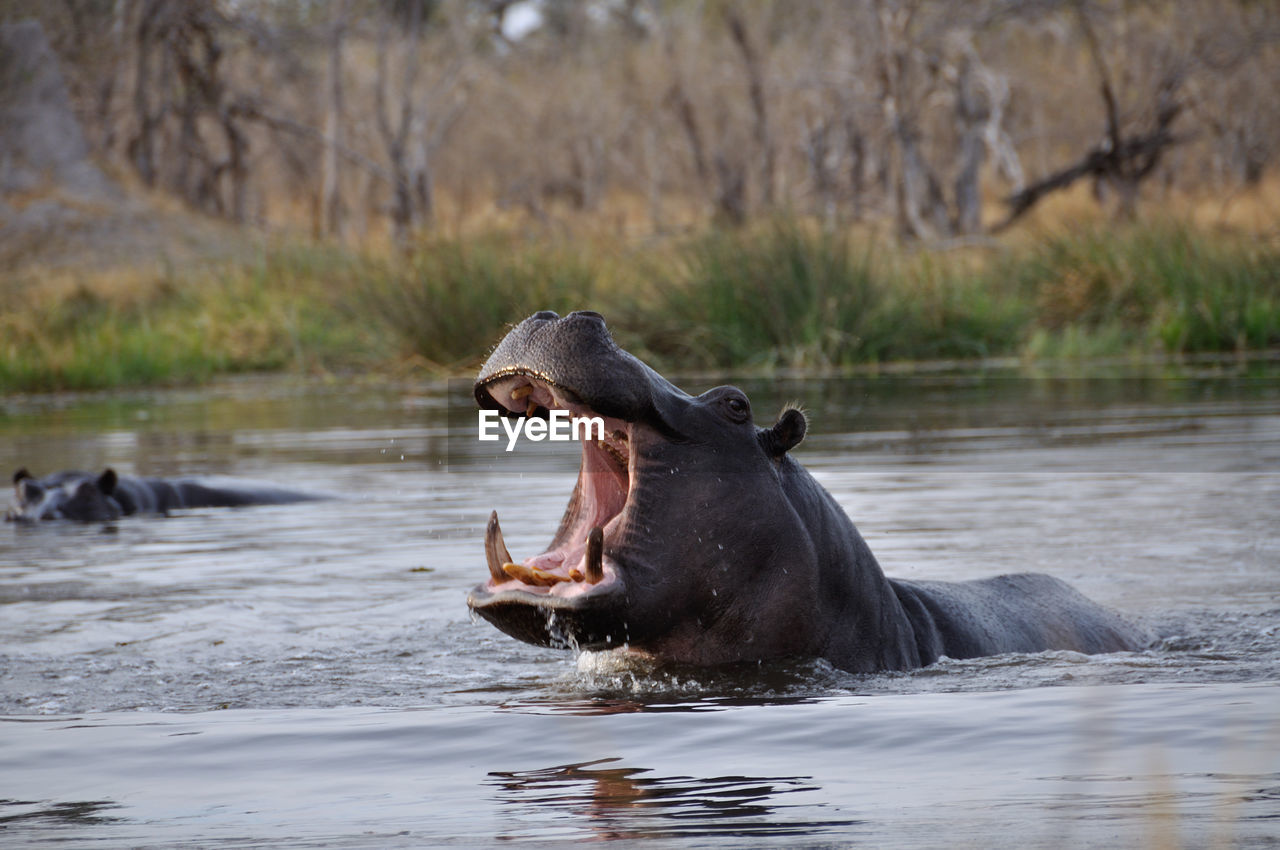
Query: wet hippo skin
point(86, 497)
point(694, 536)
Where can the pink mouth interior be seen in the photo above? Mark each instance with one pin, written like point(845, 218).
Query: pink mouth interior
point(604, 484)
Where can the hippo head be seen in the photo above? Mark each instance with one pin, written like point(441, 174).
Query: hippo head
point(682, 537)
point(68, 495)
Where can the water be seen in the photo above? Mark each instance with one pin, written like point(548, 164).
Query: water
point(308, 675)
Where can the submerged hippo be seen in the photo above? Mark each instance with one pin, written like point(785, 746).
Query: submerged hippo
point(88, 498)
point(692, 535)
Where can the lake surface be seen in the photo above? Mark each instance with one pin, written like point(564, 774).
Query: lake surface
point(308, 675)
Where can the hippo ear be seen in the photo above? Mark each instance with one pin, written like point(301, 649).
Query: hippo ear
point(786, 433)
point(28, 490)
point(107, 481)
point(21, 474)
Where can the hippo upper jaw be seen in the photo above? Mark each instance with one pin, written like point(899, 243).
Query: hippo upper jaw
point(576, 359)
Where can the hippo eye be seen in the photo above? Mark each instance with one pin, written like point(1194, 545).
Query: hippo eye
point(737, 408)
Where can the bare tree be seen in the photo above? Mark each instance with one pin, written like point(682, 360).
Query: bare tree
point(150, 24)
point(331, 209)
point(180, 92)
point(1125, 157)
point(754, 66)
point(905, 111)
point(410, 187)
point(918, 73)
point(677, 99)
point(403, 111)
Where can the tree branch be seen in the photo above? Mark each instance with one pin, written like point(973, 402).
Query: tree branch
point(1099, 162)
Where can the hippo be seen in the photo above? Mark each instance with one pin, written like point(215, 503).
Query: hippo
point(694, 537)
point(86, 497)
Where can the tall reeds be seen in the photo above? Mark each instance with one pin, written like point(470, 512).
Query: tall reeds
point(781, 294)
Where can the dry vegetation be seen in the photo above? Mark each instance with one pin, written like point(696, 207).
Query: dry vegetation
point(359, 116)
point(883, 178)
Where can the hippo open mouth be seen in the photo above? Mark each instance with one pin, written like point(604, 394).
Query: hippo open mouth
point(694, 536)
point(574, 593)
point(569, 594)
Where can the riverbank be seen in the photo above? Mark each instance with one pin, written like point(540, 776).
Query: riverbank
point(778, 295)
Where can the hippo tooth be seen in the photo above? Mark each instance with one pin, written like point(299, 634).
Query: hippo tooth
point(614, 452)
point(518, 572)
point(520, 392)
point(532, 575)
point(495, 549)
point(531, 409)
point(595, 555)
point(546, 577)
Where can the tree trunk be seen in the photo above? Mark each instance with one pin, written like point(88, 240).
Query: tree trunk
point(142, 145)
point(755, 87)
point(971, 118)
point(331, 177)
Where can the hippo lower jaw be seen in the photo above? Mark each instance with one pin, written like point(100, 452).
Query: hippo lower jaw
point(573, 594)
point(588, 621)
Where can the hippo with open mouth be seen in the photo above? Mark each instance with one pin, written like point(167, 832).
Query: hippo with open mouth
point(693, 536)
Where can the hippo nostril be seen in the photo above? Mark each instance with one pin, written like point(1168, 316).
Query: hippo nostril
point(587, 314)
point(546, 314)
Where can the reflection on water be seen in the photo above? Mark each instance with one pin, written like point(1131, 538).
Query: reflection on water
point(654, 701)
point(1112, 766)
point(88, 812)
point(627, 802)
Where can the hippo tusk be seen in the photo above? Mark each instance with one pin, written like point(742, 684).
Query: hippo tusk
point(595, 555)
point(495, 549)
point(521, 391)
point(531, 409)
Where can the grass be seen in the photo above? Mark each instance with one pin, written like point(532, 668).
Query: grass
point(785, 295)
point(780, 295)
point(776, 294)
point(285, 311)
point(452, 298)
point(1169, 289)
